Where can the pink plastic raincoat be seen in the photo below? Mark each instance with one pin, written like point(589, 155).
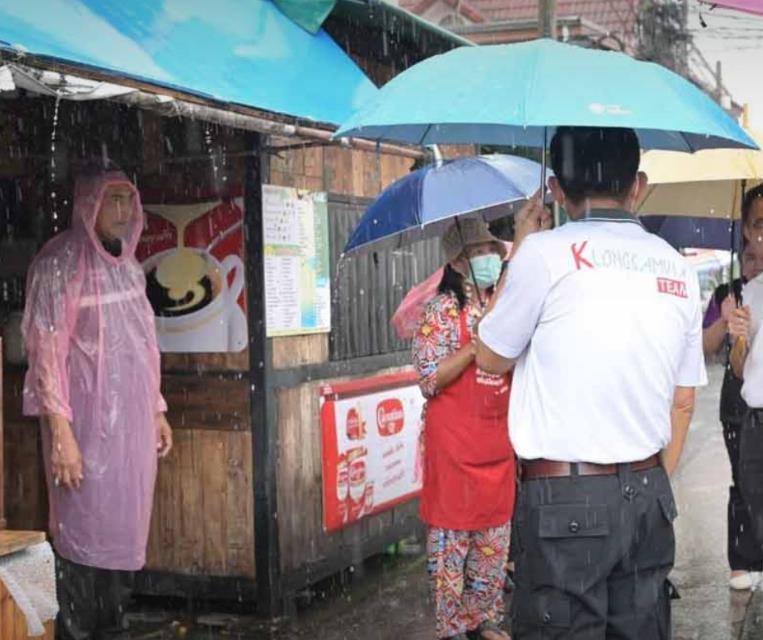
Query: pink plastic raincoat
point(93, 358)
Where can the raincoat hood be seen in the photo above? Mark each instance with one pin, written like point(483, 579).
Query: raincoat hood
point(89, 194)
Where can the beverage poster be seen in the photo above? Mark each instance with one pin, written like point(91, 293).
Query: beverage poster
point(297, 268)
point(192, 255)
point(371, 446)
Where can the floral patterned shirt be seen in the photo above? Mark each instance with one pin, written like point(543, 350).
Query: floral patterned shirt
point(438, 336)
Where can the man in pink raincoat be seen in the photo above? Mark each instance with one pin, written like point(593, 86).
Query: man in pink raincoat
point(94, 381)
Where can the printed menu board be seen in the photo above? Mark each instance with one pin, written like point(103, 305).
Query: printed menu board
point(297, 268)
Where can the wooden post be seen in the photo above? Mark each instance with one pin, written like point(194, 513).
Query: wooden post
point(547, 19)
point(2, 466)
point(262, 397)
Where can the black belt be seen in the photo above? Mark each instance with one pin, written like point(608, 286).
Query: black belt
point(540, 468)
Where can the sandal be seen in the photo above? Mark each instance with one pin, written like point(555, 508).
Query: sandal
point(487, 625)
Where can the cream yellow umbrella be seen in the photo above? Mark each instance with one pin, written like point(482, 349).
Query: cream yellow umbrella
point(704, 184)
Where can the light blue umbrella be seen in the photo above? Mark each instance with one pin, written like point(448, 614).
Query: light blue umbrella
point(423, 203)
point(516, 94)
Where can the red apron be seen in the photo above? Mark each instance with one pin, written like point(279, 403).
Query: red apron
point(469, 468)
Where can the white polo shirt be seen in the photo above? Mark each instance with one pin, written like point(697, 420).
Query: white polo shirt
point(752, 388)
point(605, 320)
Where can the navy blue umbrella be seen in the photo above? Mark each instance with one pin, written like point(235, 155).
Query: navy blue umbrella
point(423, 203)
point(692, 232)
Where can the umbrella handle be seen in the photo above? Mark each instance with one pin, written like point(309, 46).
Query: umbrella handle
point(469, 262)
point(737, 254)
point(543, 165)
point(438, 159)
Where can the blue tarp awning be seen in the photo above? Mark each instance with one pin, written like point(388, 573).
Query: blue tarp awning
point(239, 51)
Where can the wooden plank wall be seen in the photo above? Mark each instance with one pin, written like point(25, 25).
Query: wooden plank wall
point(13, 621)
point(203, 518)
point(25, 491)
point(368, 288)
point(303, 541)
point(203, 521)
point(2, 455)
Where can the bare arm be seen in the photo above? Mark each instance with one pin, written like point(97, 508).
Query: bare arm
point(491, 362)
point(739, 329)
point(532, 218)
point(680, 417)
point(163, 435)
point(713, 336)
point(65, 456)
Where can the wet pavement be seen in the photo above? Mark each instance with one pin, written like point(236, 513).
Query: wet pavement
point(390, 602)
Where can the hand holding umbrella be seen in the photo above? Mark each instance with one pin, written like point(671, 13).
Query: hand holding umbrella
point(533, 217)
point(739, 330)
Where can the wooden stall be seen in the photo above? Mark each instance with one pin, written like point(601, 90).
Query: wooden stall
point(13, 623)
point(238, 504)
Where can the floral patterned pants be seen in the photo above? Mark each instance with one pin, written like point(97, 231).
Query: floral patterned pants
point(467, 570)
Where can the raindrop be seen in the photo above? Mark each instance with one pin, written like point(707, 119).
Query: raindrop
point(53, 202)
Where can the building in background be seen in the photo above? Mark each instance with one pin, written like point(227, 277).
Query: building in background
point(656, 30)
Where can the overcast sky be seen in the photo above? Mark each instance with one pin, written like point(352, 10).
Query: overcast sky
point(736, 39)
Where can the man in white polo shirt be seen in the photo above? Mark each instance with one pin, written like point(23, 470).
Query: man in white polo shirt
point(603, 322)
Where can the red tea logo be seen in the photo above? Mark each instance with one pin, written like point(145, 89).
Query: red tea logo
point(390, 417)
point(672, 287)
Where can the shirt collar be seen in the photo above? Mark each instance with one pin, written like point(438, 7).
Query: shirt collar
point(609, 215)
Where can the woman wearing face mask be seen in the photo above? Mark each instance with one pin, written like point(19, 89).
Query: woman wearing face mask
point(468, 492)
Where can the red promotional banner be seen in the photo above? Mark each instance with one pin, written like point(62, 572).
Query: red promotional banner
point(371, 446)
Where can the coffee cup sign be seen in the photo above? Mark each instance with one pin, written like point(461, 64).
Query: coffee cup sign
point(194, 294)
point(182, 272)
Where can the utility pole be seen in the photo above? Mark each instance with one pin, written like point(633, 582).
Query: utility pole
point(547, 18)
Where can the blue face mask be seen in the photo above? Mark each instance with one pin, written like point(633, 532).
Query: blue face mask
point(485, 270)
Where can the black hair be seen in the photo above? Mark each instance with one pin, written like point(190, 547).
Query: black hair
point(749, 198)
point(503, 228)
point(453, 282)
point(595, 161)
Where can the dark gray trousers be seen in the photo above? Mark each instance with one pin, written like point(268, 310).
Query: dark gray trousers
point(593, 556)
point(91, 601)
point(751, 470)
point(743, 550)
